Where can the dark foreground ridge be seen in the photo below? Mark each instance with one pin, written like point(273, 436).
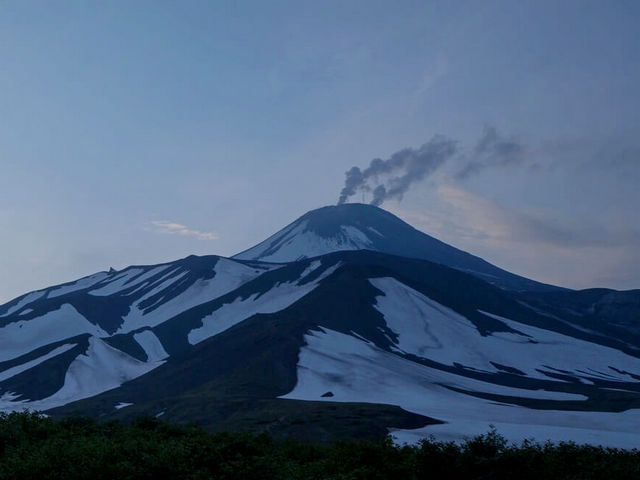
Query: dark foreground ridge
point(78, 448)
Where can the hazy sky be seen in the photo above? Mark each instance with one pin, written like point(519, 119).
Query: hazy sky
point(142, 132)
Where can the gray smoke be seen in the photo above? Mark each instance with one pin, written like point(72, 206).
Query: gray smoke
point(492, 150)
point(392, 178)
point(379, 194)
point(352, 183)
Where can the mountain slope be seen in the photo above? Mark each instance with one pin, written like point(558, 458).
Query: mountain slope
point(355, 226)
point(387, 330)
point(84, 337)
point(350, 342)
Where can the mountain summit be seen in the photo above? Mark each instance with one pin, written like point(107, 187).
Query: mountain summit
point(356, 226)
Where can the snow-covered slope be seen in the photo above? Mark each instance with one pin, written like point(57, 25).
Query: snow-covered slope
point(95, 333)
point(353, 305)
point(355, 226)
point(363, 326)
point(353, 370)
point(427, 329)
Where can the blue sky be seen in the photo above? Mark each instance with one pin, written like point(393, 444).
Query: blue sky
point(141, 132)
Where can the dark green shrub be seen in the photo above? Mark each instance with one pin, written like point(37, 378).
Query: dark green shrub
point(34, 447)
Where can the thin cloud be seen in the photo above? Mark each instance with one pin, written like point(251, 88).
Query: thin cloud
point(539, 246)
point(173, 228)
point(487, 219)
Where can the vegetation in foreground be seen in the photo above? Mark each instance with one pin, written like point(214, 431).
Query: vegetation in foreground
point(33, 447)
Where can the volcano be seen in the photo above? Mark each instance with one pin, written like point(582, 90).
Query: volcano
point(346, 323)
point(356, 226)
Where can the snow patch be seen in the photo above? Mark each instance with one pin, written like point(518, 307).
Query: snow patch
point(117, 283)
point(371, 229)
point(151, 345)
point(24, 336)
point(351, 368)
point(355, 371)
point(101, 368)
point(81, 284)
point(27, 299)
point(10, 372)
point(229, 275)
point(278, 298)
point(312, 266)
point(297, 242)
point(356, 237)
point(430, 330)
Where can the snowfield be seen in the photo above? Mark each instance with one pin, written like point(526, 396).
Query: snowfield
point(24, 301)
point(229, 275)
point(101, 368)
point(357, 371)
point(24, 336)
point(297, 242)
point(151, 345)
point(82, 338)
point(278, 298)
point(10, 372)
point(430, 330)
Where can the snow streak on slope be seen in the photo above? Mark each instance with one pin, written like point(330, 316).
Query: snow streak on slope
point(24, 336)
point(151, 345)
point(100, 369)
point(365, 227)
point(278, 298)
point(430, 330)
point(152, 295)
point(229, 275)
point(81, 284)
point(357, 371)
point(118, 282)
point(298, 242)
point(24, 301)
point(10, 372)
point(353, 369)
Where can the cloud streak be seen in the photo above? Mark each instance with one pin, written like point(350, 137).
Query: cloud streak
point(562, 251)
point(487, 219)
point(172, 228)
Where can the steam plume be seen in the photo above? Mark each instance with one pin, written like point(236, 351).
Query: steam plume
point(391, 178)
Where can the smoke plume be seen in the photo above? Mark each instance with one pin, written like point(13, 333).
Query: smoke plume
point(492, 150)
point(391, 178)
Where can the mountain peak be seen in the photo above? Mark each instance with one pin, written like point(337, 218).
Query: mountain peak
point(328, 220)
point(350, 226)
point(356, 226)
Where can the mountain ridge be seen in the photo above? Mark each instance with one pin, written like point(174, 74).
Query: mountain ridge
point(321, 334)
